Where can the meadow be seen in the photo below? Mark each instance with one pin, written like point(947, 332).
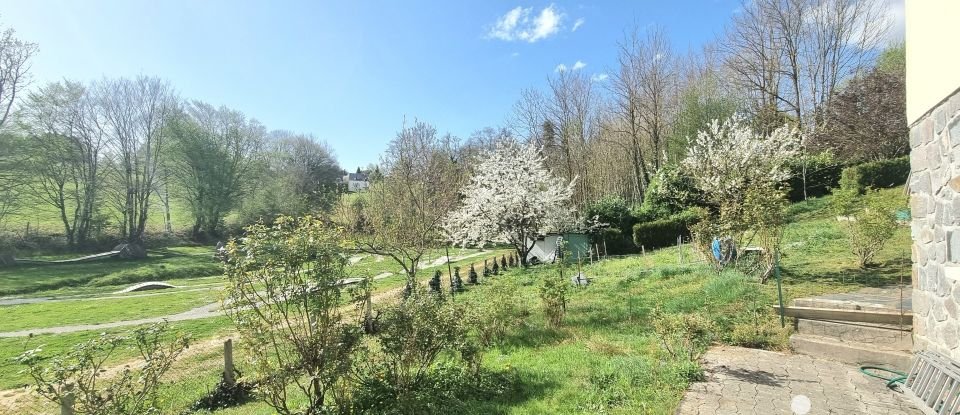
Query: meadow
point(606, 357)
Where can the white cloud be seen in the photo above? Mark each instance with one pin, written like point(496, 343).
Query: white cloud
point(578, 65)
point(577, 24)
point(514, 54)
point(600, 77)
point(520, 24)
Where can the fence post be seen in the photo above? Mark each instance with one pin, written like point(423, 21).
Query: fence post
point(679, 253)
point(66, 403)
point(228, 371)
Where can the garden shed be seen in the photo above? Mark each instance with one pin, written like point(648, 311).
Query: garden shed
point(545, 247)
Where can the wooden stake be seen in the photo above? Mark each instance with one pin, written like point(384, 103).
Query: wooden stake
point(66, 404)
point(228, 371)
point(449, 271)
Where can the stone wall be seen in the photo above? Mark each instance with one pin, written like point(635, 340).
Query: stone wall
point(935, 206)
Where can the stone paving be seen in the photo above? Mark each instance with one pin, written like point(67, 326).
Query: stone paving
point(751, 381)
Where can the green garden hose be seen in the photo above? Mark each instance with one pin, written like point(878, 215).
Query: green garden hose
point(891, 381)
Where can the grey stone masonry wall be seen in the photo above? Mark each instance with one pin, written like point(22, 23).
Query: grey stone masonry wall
point(935, 206)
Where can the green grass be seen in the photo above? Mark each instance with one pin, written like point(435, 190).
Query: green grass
point(11, 375)
point(102, 310)
point(606, 357)
point(160, 265)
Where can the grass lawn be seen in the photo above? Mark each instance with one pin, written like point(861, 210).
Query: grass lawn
point(607, 357)
point(52, 344)
point(103, 310)
point(160, 265)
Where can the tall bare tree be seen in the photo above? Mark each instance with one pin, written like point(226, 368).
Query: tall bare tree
point(402, 212)
point(571, 114)
point(137, 112)
point(644, 90)
point(15, 57)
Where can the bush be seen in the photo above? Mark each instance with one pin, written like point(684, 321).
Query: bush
point(669, 193)
point(134, 390)
point(870, 226)
point(613, 211)
point(435, 282)
point(553, 295)
point(876, 174)
point(615, 241)
point(663, 232)
point(413, 334)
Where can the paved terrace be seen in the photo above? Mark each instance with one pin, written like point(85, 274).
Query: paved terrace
point(751, 381)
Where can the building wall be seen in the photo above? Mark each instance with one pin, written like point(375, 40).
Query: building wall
point(935, 206)
point(932, 72)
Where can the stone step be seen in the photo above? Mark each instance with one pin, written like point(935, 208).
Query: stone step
point(850, 353)
point(862, 302)
point(882, 336)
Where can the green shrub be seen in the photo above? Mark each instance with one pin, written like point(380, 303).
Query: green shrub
point(869, 221)
point(663, 232)
point(876, 174)
point(553, 295)
point(669, 193)
point(613, 211)
point(615, 241)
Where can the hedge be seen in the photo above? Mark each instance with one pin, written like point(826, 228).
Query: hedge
point(823, 174)
point(616, 242)
point(663, 232)
point(876, 174)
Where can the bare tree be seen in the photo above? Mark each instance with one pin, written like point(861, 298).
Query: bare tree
point(137, 112)
point(569, 123)
point(15, 57)
point(625, 90)
point(65, 127)
point(792, 54)
point(402, 213)
point(754, 57)
point(840, 39)
point(644, 89)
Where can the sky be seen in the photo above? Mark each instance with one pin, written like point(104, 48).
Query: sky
point(351, 72)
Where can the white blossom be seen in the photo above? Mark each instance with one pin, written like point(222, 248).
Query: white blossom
point(512, 198)
point(728, 157)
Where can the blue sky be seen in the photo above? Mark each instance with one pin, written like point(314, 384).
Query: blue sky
point(348, 72)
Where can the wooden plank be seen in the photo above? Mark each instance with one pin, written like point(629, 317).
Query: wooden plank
point(876, 317)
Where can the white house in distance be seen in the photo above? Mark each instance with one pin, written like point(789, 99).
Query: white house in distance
point(357, 182)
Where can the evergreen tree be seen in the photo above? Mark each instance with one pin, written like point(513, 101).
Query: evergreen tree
point(496, 267)
point(513, 260)
point(503, 262)
point(457, 284)
point(435, 282)
point(472, 276)
point(486, 270)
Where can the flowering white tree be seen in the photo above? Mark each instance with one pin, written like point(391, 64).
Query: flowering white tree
point(739, 172)
point(512, 198)
point(728, 158)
